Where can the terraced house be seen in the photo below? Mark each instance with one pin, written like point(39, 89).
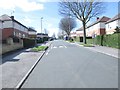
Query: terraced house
point(13, 28)
point(112, 24)
point(12, 33)
point(98, 27)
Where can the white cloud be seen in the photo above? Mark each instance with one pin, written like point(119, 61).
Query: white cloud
point(25, 5)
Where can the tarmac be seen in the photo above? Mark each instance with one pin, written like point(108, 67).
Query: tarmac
point(17, 65)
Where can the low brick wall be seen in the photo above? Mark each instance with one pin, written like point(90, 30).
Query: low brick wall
point(7, 47)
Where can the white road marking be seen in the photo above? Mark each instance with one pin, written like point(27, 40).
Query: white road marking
point(54, 47)
point(65, 46)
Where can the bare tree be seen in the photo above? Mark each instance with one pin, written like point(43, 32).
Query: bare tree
point(83, 10)
point(67, 24)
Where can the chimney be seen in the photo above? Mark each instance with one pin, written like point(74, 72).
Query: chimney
point(97, 18)
point(12, 17)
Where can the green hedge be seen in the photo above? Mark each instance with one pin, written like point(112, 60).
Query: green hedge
point(111, 40)
point(42, 40)
point(29, 42)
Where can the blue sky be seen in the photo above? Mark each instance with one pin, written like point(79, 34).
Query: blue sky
point(29, 12)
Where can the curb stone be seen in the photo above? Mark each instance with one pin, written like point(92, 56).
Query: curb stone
point(18, 87)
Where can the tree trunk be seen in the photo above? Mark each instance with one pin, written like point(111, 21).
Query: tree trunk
point(84, 30)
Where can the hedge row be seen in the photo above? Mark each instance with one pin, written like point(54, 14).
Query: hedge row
point(27, 43)
point(111, 40)
point(41, 40)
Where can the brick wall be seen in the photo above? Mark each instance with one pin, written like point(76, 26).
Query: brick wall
point(7, 32)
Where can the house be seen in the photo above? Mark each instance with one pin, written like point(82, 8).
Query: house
point(79, 32)
point(112, 24)
point(98, 27)
point(12, 33)
point(32, 33)
point(73, 34)
point(12, 28)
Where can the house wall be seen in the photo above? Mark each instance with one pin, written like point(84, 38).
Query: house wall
point(7, 47)
point(97, 29)
point(7, 32)
point(79, 33)
point(12, 28)
point(7, 24)
point(110, 27)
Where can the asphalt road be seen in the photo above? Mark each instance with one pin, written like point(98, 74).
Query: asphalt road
point(67, 65)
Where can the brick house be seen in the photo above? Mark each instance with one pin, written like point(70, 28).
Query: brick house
point(98, 27)
point(12, 28)
point(32, 33)
point(112, 24)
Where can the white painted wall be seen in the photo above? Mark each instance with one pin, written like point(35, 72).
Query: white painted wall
point(10, 24)
point(111, 26)
point(7, 24)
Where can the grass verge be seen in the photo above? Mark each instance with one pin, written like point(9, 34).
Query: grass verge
point(39, 48)
point(87, 45)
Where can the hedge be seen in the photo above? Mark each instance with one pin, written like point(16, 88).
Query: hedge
point(27, 43)
point(111, 40)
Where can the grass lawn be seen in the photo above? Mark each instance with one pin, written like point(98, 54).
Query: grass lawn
point(39, 48)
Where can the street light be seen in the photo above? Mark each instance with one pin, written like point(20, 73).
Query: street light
point(41, 29)
point(41, 24)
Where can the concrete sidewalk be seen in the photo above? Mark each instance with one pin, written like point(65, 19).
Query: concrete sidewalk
point(16, 65)
point(105, 50)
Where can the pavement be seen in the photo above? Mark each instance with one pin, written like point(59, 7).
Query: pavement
point(67, 65)
point(17, 65)
point(105, 50)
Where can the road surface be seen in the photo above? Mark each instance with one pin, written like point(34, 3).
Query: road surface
point(66, 65)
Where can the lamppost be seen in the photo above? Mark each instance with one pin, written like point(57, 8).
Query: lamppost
point(41, 29)
point(41, 23)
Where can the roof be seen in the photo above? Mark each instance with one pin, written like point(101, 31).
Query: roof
point(114, 18)
point(80, 29)
point(103, 19)
point(30, 29)
point(5, 17)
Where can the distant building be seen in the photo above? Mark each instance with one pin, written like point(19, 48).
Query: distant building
point(112, 24)
point(42, 35)
point(12, 28)
point(73, 34)
point(32, 33)
point(98, 27)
